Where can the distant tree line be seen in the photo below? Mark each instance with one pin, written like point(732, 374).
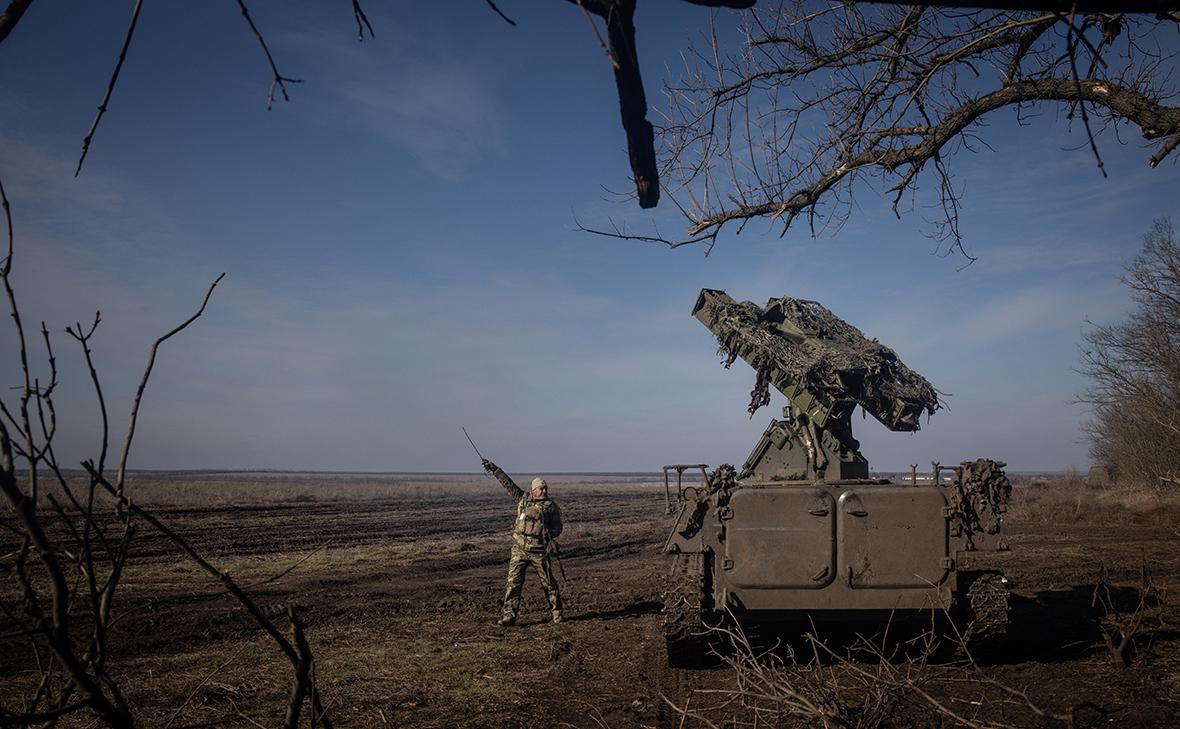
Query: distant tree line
point(1134, 370)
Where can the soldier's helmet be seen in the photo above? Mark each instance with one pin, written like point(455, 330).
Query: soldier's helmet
point(540, 483)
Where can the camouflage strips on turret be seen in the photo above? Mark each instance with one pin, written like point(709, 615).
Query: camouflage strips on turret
point(803, 347)
point(825, 367)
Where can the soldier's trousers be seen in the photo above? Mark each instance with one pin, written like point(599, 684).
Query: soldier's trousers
point(517, 566)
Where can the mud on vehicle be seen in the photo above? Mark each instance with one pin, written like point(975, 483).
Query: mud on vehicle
point(802, 532)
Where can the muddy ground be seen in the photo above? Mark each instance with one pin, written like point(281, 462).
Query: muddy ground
point(399, 580)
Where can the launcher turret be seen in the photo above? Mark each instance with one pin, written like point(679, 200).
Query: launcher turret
point(825, 367)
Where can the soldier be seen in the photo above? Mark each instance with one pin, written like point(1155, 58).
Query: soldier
point(538, 523)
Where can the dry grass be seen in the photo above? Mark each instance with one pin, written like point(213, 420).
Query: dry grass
point(873, 682)
point(1066, 499)
point(210, 489)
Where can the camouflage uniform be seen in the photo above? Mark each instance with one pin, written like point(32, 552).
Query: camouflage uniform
point(538, 522)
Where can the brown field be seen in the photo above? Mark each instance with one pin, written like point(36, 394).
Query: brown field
point(399, 578)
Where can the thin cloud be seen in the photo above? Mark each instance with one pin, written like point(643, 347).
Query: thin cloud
point(1057, 256)
point(1053, 308)
point(446, 112)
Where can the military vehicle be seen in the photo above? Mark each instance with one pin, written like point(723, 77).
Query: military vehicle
point(802, 532)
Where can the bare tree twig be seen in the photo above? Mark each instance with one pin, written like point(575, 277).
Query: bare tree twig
point(83, 338)
point(614, 60)
point(362, 21)
point(11, 16)
point(497, 11)
point(147, 373)
point(1072, 36)
point(821, 107)
point(102, 107)
point(6, 264)
point(278, 80)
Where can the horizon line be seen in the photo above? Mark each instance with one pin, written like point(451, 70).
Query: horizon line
point(468, 473)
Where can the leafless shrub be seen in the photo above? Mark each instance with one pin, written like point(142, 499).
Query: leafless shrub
point(64, 550)
point(870, 685)
point(1125, 626)
point(1134, 371)
point(1069, 501)
point(777, 688)
point(1068, 479)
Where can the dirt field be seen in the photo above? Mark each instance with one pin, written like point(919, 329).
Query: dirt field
point(399, 579)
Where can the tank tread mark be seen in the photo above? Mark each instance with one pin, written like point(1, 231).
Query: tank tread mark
point(683, 611)
point(985, 608)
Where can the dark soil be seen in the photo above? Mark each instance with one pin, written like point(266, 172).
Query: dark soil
point(400, 590)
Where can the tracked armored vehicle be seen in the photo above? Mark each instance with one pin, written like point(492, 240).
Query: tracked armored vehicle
point(802, 532)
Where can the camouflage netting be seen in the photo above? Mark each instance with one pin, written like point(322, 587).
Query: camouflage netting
point(984, 494)
point(832, 359)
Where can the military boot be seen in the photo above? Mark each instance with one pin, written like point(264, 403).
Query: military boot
point(506, 619)
point(557, 617)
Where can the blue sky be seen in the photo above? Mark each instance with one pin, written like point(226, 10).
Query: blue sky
point(401, 255)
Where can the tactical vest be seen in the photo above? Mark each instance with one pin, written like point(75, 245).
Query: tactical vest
point(529, 531)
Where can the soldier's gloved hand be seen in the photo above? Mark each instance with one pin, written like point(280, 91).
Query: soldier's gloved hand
point(488, 466)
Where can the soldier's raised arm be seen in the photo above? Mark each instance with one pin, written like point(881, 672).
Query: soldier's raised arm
point(505, 480)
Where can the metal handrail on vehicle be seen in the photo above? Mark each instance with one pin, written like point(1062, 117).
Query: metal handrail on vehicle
point(680, 468)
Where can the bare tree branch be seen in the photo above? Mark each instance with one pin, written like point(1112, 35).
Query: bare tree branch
point(1153, 119)
point(147, 373)
point(11, 16)
point(228, 583)
point(499, 12)
point(362, 21)
point(302, 679)
point(83, 338)
point(102, 107)
point(821, 107)
point(277, 79)
point(620, 29)
point(614, 61)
